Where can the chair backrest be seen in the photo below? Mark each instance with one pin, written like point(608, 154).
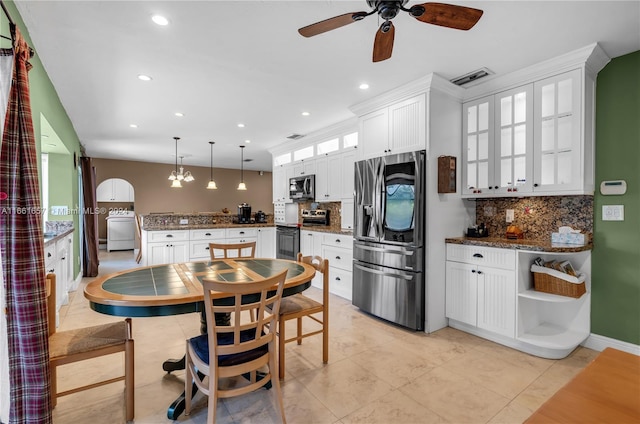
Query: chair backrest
point(245, 296)
point(51, 302)
point(232, 250)
point(322, 266)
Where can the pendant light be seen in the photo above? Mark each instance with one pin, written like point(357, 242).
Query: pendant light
point(173, 177)
point(212, 184)
point(242, 185)
point(178, 176)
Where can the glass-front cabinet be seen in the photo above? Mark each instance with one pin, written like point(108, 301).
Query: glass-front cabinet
point(557, 139)
point(498, 143)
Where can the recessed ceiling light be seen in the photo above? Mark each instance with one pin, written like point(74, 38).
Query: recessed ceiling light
point(305, 114)
point(133, 125)
point(142, 77)
point(241, 125)
point(364, 86)
point(247, 141)
point(160, 20)
point(179, 114)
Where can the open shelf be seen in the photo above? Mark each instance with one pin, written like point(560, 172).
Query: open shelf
point(547, 297)
point(553, 336)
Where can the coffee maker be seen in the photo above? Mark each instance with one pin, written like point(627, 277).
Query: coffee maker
point(244, 213)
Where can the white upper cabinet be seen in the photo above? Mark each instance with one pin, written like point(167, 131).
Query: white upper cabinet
point(558, 146)
point(114, 190)
point(536, 139)
point(394, 129)
point(498, 143)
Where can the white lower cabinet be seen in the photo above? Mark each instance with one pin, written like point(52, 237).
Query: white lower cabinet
point(311, 245)
point(338, 249)
point(481, 287)
point(266, 247)
point(177, 246)
point(490, 293)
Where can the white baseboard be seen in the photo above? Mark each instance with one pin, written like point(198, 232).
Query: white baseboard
point(76, 282)
point(600, 343)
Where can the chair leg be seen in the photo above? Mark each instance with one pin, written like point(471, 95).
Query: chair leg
point(325, 336)
point(129, 379)
point(275, 382)
point(188, 382)
point(281, 338)
point(299, 330)
point(54, 385)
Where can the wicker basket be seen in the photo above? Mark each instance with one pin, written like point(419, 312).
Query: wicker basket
point(549, 280)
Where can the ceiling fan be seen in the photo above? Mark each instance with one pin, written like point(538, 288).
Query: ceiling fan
point(446, 15)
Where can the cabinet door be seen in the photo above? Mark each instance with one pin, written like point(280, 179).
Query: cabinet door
point(104, 191)
point(557, 134)
point(122, 190)
point(514, 141)
point(322, 178)
point(179, 252)
point(157, 253)
point(461, 292)
point(304, 167)
point(346, 214)
point(477, 147)
point(280, 184)
point(407, 125)
point(374, 133)
point(497, 300)
point(348, 174)
point(266, 246)
point(335, 178)
point(307, 243)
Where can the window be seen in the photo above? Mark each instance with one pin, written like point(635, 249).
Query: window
point(282, 159)
point(350, 140)
point(303, 153)
point(328, 146)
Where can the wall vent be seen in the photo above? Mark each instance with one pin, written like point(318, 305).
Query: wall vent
point(295, 136)
point(472, 76)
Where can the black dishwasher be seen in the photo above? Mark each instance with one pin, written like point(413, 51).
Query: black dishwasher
point(287, 241)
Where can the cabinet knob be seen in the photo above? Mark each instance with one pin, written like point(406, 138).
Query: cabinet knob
point(206, 248)
point(170, 235)
point(337, 240)
point(207, 234)
point(52, 270)
point(241, 232)
point(48, 254)
point(338, 257)
point(479, 272)
point(477, 255)
point(473, 270)
point(535, 184)
point(337, 278)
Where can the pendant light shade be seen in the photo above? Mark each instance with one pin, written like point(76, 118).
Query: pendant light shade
point(212, 184)
point(242, 185)
point(179, 175)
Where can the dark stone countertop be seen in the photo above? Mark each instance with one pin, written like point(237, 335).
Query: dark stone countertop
point(520, 244)
point(327, 229)
point(53, 237)
point(174, 227)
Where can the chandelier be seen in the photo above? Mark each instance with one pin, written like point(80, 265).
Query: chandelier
point(242, 185)
point(178, 176)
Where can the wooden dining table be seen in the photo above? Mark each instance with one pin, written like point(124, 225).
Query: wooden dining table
point(173, 289)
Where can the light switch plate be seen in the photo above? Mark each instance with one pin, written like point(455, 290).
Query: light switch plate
point(510, 215)
point(613, 212)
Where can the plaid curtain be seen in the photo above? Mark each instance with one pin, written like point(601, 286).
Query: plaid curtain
point(22, 246)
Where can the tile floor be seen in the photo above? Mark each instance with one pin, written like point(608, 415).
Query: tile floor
point(377, 373)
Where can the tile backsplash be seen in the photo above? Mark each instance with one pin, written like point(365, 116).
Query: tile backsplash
point(538, 217)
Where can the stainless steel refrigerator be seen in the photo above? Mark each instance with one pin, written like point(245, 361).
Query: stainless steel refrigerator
point(389, 235)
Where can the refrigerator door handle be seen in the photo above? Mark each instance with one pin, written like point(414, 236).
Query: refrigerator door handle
point(379, 195)
point(384, 274)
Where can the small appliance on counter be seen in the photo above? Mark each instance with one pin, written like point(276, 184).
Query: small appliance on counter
point(514, 232)
point(260, 217)
point(478, 231)
point(244, 213)
point(315, 217)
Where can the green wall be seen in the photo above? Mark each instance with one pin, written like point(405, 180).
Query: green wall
point(63, 185)
point(615, 301)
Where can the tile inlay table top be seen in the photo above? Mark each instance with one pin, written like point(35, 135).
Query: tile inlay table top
point(177, 288)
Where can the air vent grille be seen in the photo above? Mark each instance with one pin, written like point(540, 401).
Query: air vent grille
point(472, 76)
point(295, 136)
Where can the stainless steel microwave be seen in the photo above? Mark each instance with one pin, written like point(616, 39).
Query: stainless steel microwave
point(302, 189)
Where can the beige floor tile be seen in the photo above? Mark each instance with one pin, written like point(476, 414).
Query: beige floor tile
point(486, 370)
point(511, 414)
point(302, 407)
point(394, 407)
point(344, 386)
point(455, 398)
point(515, 357)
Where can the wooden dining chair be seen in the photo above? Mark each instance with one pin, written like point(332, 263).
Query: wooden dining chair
point(239, 349)
point(299, 306)
point(139, 232)
point(70, 346)
point(232, 250)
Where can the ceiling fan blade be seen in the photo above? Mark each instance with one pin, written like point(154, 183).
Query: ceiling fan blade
point(449, 15)
point(383, 44)
point(331, 23)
